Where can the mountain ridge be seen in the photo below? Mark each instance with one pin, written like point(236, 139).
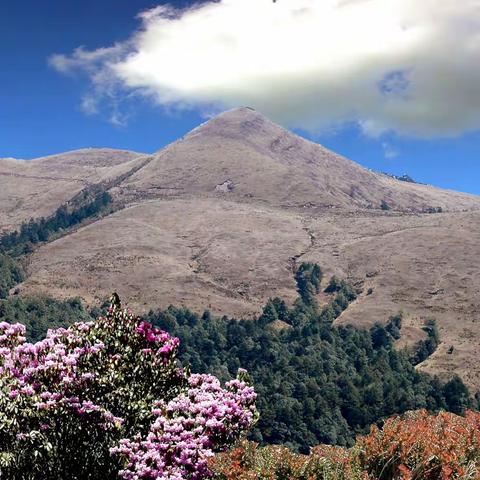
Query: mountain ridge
point(241, 145)
point(45, 183)
point(218, 219)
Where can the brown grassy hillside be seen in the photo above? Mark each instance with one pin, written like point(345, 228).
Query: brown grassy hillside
point(219, 218)
point(38, 187)
point(265, 163)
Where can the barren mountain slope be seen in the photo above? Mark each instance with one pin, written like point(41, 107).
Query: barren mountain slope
point(242, 153)
point(35, 188)
point(219, 219)
point(231, 257)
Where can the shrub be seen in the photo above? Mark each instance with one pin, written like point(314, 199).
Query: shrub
point(415, 446)
point(249, 462)
point(107, 397)
point(385, 206)
point(419, 446)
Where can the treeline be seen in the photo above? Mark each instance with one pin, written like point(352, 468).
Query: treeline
point(40, 313)
point(425, 348)
point(11, 273)
point(14, 245)
point(316, 383)
point(40, 230)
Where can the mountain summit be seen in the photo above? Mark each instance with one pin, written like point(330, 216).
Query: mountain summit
point(244, 154)
point(220, 219)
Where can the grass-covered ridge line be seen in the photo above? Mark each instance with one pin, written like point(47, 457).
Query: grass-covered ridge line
point(86, 205)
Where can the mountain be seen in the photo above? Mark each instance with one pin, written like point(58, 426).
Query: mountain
point(243, 153)
point(219, 219)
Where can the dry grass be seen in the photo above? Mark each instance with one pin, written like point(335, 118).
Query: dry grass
point(37, 188)
point(179, 241)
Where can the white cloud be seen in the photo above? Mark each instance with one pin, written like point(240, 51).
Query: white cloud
point(90, 60)
point(410, 66)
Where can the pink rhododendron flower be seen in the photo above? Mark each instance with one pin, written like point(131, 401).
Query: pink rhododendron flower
point(113, 380)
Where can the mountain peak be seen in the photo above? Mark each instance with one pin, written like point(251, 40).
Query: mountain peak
point(238, 112)
point(240, 122)
point(245, 156)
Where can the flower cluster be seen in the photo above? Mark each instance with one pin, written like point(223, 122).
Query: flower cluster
point(156, 336)
point(49, 375)
point(11, 335)
point(188, 429)
point(73, 396)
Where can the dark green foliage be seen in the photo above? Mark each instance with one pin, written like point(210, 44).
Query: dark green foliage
point(337, 285)
point(380, 336)
point(394, 326)
point(308, 277)
point(434, 210)
point(11, 273)
point(39, 314)
point(316, 384)
point(36, 231)
point(406, 178)
point(457, 396)
point(268, 315)
point(426, 347)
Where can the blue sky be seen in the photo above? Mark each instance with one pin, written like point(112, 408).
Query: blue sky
point(41, 109)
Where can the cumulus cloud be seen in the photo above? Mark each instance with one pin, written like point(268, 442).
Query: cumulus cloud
point(408, 66)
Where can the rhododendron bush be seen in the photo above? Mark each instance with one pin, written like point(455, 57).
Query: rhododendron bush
point(107, 399)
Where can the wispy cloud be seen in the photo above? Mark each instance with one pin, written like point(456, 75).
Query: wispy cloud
point(407, 66)
point(389, 151)
point(89, 105)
